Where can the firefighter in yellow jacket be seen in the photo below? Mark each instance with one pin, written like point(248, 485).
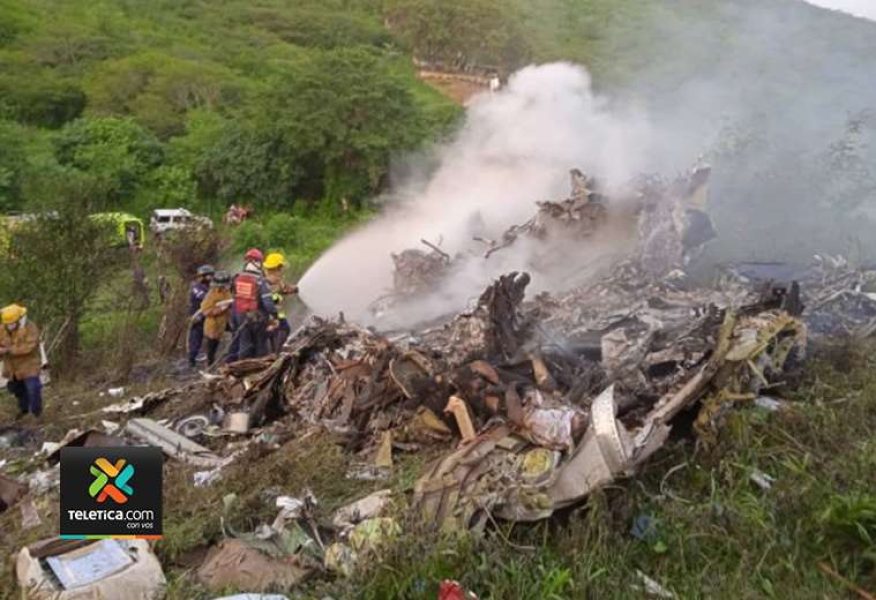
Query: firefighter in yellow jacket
point(20, 349)
point(273, 267)
point(216, 308)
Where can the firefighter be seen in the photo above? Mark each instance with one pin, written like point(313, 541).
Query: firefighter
point(273, 267)
point(254, 309)
point(216, 309)
point(20, 349)
point(199, 289)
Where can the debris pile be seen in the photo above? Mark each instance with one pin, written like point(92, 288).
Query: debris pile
point(664, 221)
point(839, 300)
point(531, 403)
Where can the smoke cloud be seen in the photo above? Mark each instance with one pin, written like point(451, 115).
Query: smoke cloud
point(777, 96)
point(515, 148)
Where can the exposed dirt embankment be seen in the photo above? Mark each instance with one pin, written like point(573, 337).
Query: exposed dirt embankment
point(459, 87)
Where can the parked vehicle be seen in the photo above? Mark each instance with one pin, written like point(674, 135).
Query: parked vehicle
point(128, 230)
point(170, 219)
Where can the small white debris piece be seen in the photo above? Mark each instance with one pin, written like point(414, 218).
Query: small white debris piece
point(49, 447)
point(762, 480)
point(767, 403)
point(652, 588)
point(110, 427)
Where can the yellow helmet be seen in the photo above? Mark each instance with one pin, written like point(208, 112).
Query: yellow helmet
point(274, 260)
point(12, 314)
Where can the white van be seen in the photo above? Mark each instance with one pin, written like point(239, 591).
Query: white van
point(169, 219)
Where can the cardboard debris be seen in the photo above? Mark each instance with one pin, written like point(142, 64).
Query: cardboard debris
point(384, 451)
point(80, 570)
point(234, 563)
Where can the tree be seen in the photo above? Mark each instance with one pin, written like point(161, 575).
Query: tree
point(325, 128)
point(37, 96)
point(321, 27)
point(13, 162)
point(57, 262)
point(345, 110)
point(117, 153)
point(251, 162)
point(461, 33)
point(158, 90)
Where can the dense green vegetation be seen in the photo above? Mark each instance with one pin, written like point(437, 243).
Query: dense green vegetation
point(203, 103)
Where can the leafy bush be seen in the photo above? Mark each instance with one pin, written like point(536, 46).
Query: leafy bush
point(250, 162)
point(281, 230)
point(159, 90)
point(249, 235)
point(167, 186)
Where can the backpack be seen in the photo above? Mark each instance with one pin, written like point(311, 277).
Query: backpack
point(246, 292)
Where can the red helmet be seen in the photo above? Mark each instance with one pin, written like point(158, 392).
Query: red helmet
point(254, 255)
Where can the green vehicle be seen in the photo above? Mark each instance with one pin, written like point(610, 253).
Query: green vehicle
point(127, 231)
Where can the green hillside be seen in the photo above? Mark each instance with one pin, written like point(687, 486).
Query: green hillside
point(183, 103)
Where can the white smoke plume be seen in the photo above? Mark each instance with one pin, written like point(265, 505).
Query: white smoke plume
point(515, 148)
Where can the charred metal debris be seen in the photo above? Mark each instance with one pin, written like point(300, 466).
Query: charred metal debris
point(530, 403)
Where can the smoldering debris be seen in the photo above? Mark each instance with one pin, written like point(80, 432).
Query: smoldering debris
point(511, 152)
point(574, 240)
point(531, 402)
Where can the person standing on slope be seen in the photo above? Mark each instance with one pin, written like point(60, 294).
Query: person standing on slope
point(254, 308)
point(20, 349)
point(216, 309)
point(199, 289)
point(273, 267)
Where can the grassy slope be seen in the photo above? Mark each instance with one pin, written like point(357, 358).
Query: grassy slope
point(717, 535)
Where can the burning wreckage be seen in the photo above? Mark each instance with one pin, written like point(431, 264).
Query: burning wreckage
point(533, 403)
